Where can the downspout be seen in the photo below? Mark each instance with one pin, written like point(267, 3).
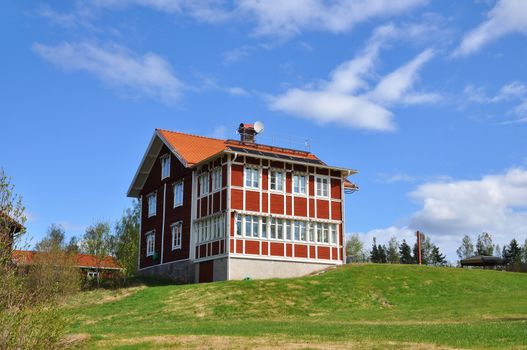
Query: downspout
point(163, 227)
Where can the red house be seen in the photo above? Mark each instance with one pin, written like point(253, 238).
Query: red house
point(226, 209)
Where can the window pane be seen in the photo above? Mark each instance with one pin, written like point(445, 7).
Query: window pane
point(273, 228)
point(296, 230)
point(280, 229)
point(248, 226)
point(302, 231)
point(288, 229)
point(264, 227)
point(239, 225)
point(255, 226)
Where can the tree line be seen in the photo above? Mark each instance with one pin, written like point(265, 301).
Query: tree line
point(395, 252)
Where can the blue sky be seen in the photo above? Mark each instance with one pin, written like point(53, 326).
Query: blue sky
point(427, 99)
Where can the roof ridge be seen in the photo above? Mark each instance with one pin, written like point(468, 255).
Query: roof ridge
point(189, 134)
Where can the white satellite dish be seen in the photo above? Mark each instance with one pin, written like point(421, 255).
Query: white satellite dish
point(258, 127)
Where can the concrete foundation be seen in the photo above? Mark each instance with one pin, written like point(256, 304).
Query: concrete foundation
point(180, 271)
point(264, 269)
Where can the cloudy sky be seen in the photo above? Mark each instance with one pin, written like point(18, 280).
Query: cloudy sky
point(427, 99)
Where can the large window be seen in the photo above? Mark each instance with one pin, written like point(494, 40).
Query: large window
point(252, 177)
point(177, 231)
point(151, 201)
point(150, 243)
point(211, 229)
point(322, 185)
point(216, 179)
point(165, 166)
point(204, 184)
point(276, 182)
point(299, 184)
point(178, 193)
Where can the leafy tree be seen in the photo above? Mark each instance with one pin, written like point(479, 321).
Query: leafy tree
point(12, 218)
point(98, 241)
point(497, 251)
point(355, 248)
point(383, 259)
point(484, 244)
point(127, 240)
point(73, 246)
point(466, 250)
point(426, 250)
point(53, 241)
point(437, 257)
point(374, 254)
point(393, 251)
point(405, 253)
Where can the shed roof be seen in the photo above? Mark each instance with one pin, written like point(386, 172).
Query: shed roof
point(27, 257)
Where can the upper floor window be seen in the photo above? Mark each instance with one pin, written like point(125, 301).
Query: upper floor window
point(322, 186)
point(152, 204)
point(165, 166)
point(178, 193)
point(177, 230)
point(216, 179)
point(252, 177)
point(276, 182)
point(299, 184)
point(204, 183)
point(150, 243)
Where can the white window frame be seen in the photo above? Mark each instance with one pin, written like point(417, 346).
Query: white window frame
point(165, 167)
point(180, 184)
point(298, 176)
point(281, 183)
point(322, 195)
point(216, 179)
point(151, 212)
point(202, 181)
point(177, 234)
point(150, 243)
point(254, 171)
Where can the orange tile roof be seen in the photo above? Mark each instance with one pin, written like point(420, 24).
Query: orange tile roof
point(194, 149)
point(26, 257)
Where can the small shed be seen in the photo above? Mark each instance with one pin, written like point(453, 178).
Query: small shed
point(483, 261)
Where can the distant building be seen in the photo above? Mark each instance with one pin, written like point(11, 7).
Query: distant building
point(215, 210)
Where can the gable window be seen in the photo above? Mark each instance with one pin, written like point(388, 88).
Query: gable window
point(152, 204)
point(165, 166)
point(252, 177)
point(176, 230)
point(150, 243)
point(277, 181)
point(204, 183)
point(322, 186)
point(299, 184)
point(216, 179)
point(178, 193)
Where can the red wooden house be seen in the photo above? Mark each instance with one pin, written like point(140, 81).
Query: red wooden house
point(225, 209)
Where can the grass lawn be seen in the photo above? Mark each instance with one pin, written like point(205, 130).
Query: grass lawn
point(361, 307)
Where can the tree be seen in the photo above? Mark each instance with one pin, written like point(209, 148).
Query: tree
point(73, 246)
point(525, 251)
point(98, 241)
point(355, 248)
point(426, 250)
point(12, 218)
point(405, 253)
point(484, 244)
point(437, 258)
point(512, 253)
point(466, 250)
point(497, 251)
point(53, 241)
point(127, 240)
point(374, 254)
point(383, 259)
point(393, 251)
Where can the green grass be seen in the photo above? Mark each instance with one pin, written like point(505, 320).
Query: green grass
point(364, 306)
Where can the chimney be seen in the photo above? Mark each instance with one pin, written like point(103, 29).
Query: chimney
point(247, 133)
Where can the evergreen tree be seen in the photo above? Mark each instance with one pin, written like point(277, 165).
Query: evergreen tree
point(512, 253)
point(437, 259)
point(374, 254)
point(355, 248)
point(383, 259)
point(525, 251)
point(484, 245)
point(405, 253)
point(393, 251)
point(466, 250)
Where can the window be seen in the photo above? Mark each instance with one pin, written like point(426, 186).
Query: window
point(302, 230)
point(150, 243)
point(299, 184)
point(252, 177)
point(334, 234)
point(311, 236)
point(277, 181)
point(239, 225)
point(264, 227)
point(178, 193)
point(251, 226)
point(204, 183)
point(216, 179)
point(152, 204)
point(296, 230)
point(288, 230)
point(176, 230)
point(325, 233)
point(322, 186)
point(318, 228)
point(165, 166)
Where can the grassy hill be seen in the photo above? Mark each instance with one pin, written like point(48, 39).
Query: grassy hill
point(362, 306)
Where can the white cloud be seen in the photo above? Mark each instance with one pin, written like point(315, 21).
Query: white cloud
point(508, 16)
point(149, 74)
point(344, 99)
point(451, 209)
